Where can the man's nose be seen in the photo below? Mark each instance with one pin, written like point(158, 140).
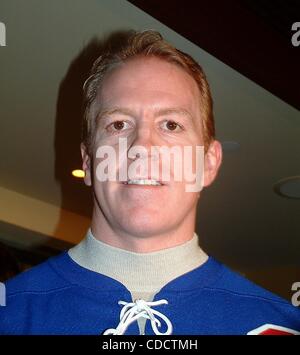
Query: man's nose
point(144, 138)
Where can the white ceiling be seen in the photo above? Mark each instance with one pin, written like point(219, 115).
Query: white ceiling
point(240, 220)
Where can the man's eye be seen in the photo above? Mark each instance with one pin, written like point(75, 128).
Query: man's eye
point(118, 126)
point(171, 126)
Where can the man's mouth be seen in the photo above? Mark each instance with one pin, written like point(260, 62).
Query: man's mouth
point(145, 182)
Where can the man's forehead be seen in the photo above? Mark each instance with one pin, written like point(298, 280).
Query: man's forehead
point(148, 85)
point(149, 75)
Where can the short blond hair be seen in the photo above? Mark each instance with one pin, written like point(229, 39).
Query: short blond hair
point(145, 44)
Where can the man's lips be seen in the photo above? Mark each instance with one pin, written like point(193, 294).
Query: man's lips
point(143, 182)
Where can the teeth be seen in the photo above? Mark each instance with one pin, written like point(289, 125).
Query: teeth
point(143, 182)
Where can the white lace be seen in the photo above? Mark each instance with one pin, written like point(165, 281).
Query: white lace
point(132, 311)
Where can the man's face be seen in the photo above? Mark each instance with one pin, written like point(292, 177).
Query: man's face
point(149, 102)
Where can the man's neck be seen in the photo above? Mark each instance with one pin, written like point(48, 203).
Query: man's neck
point(141, 241)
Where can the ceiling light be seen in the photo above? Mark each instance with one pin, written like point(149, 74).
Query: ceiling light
point(288, 187)
point(78, 173)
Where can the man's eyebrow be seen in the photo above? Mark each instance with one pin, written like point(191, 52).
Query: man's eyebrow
point(115, 110)
point(173, 111)
point(158, 112)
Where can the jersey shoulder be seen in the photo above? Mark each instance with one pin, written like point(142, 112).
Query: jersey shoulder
point(40, 278)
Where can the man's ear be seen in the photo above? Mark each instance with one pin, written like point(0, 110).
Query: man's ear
point(86, 165)
point(212, 162)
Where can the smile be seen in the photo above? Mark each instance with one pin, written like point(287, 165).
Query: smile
point(146, 182)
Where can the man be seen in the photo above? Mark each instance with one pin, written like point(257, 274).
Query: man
point(140, 270)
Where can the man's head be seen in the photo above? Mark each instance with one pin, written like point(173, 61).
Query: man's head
point(145, 44)
point(151, 94)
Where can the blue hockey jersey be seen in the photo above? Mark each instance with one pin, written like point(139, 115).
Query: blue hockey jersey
point(61, 297)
